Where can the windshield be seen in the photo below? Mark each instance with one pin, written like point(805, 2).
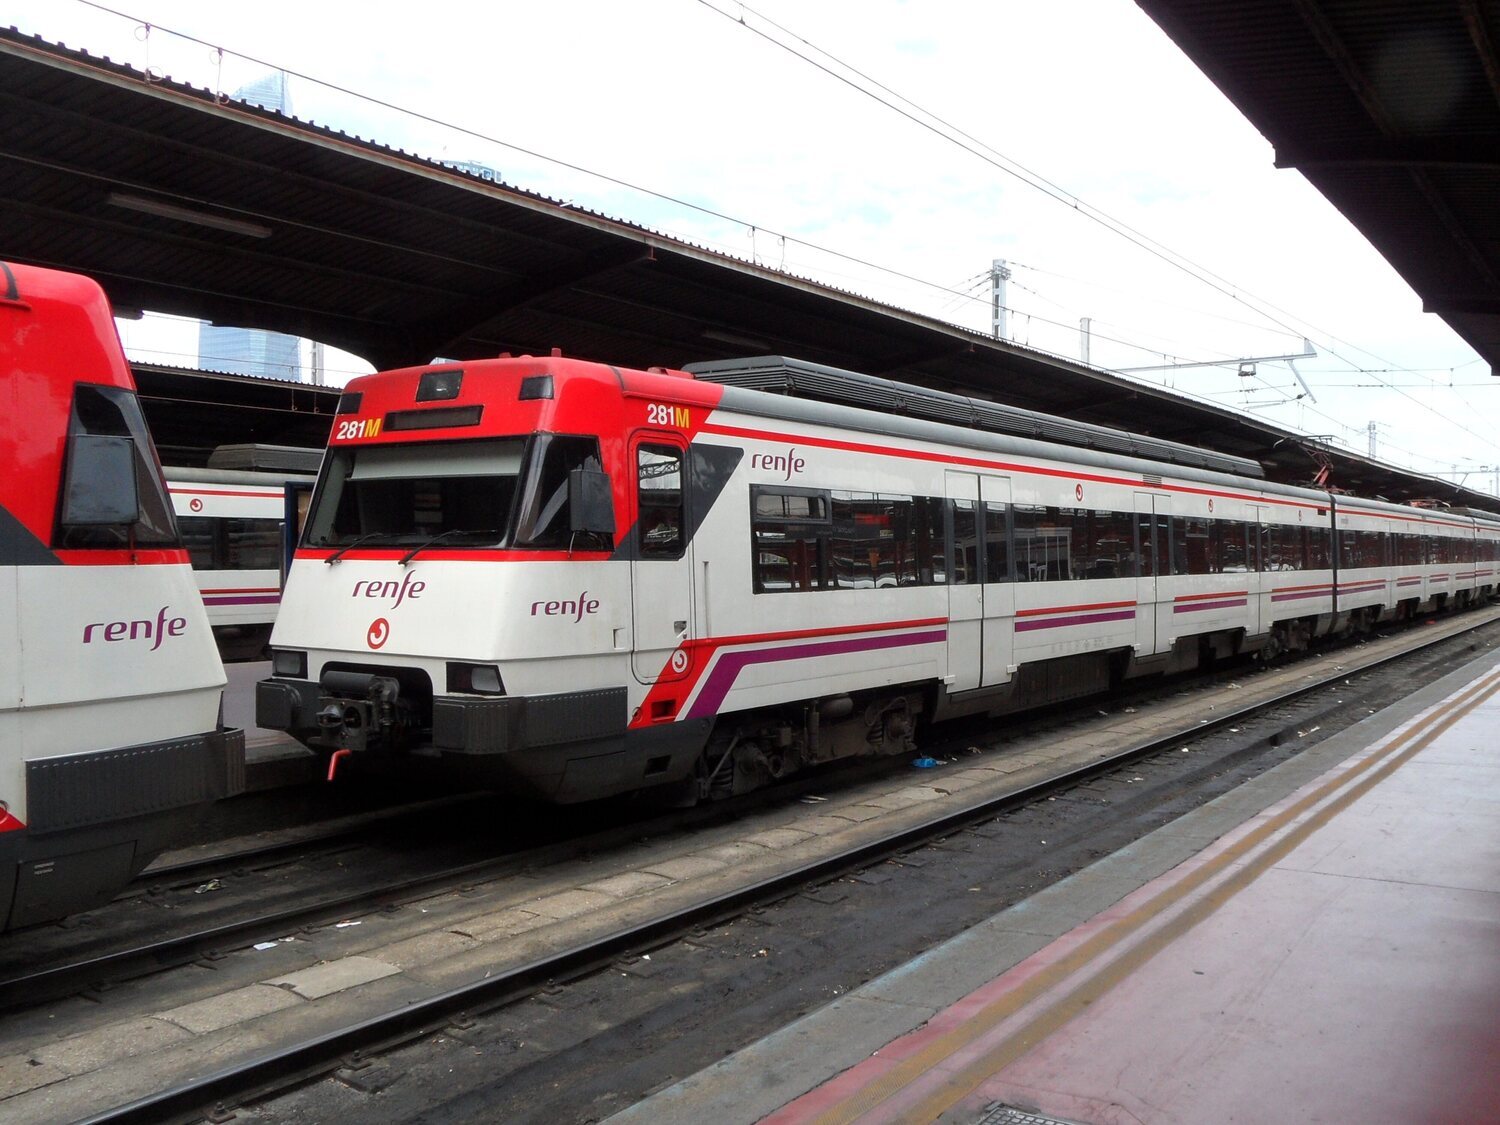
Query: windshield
point(394, 495)
point(460, 492)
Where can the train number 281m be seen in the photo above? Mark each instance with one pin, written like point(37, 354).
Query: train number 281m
point(664, 414)
point(357, 428)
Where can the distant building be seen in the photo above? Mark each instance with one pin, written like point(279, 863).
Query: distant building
point(249, 351)
point(272, 92)
point(473, 168)
point(252, 351)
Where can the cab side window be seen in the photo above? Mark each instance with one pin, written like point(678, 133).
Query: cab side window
point(659, 501)
point(114, 412)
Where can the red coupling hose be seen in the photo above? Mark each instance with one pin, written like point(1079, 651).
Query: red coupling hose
point(333, 762)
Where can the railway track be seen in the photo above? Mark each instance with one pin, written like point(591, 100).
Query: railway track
point(161, 940)
point(211, 862)
point(246, 1080)
point(199, 906)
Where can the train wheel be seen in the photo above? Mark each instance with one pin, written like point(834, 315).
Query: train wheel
point(1275, 645)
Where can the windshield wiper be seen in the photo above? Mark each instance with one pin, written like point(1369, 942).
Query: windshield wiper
point(342, 551)
point(406, 558)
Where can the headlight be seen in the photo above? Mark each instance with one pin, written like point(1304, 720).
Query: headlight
point(286, 662)
point(475, 679)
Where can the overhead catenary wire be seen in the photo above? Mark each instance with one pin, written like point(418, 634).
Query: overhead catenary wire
point(487, 138)
point(570, 166)
point(937, 125)
point(997, 159)
point(573, 167)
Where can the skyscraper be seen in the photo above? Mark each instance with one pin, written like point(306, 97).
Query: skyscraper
point(252, 351)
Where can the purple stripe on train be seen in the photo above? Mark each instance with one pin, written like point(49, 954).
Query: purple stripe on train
point(1027, 626)
point(1193, 607)
point(722, 678)
point(1323, 593)
point(257, 599)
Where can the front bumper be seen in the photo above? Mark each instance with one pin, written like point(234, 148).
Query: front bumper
point(563, 746)
point(79, 790)
point(94, 820)
point(464, 725)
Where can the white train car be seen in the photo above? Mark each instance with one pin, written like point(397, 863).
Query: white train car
point(1397, 561)
point(109, 682)
point(239, 526)
point(573, 580)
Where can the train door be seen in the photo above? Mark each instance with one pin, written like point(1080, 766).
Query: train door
point(965, 590)
point(1258, 541)
point(999, 608)
point(981, 593)
point(296, 498)
point(661, 569)
point(1152, 633)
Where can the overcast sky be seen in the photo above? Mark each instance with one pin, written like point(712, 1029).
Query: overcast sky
point(791, 164)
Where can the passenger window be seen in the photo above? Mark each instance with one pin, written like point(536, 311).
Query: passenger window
point(1236, 554)
point(932, 540)
point(1145, 540)
point(811, 539)
point(790, 531)
point(996, 543)
point(965, 540)
point(220, 543)
point(1191, 545)
point(1044, 543)
point(1319, 548)
point(872, 541)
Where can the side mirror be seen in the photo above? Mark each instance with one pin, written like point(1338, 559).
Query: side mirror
point(591, 508)
point(100, 488)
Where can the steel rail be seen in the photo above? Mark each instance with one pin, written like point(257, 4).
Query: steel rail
point(344, 828)
point(210, 941)
point(104, 970)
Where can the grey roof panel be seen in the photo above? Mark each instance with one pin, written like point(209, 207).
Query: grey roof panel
point(821, 383)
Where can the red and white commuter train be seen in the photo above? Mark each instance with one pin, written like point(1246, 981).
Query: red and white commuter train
point(238, 518)
point(571, 580)
point(109, 681)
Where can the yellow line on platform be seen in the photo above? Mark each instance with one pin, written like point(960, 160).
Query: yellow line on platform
point(1076, 999)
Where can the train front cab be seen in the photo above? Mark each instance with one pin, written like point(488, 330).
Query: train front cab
point(110, 684)
point(495, 573)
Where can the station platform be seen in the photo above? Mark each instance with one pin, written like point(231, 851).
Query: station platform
point(1321, 944)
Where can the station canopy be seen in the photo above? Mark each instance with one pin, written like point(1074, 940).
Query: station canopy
point(1391, 109)
point(180, 201)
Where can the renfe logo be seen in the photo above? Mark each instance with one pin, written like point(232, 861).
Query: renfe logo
point(406, 588)
point(155, 632)
point(573, 607)
point(786, 463)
